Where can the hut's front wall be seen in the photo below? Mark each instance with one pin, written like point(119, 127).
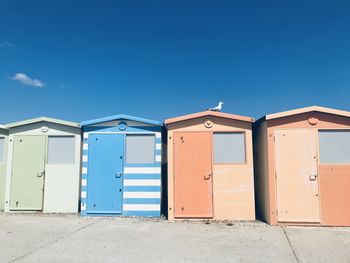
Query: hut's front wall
point(334, 179)
point(141, 183)
point(3, 162)
point(233, 184)
point(61, 181)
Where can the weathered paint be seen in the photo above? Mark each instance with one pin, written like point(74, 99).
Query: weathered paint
point(140, 194)
point(303, 119)
point(3, 165)
point(233, 184)
point(61, 182)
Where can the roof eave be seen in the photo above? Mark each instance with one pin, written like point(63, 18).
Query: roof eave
point(306, 110)
point(209, 113)
point(43, 119)
point(121, 117)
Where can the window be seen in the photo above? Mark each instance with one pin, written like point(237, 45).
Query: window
point(2, 149)
point(334, 146)
point(229, 148)
point(140, 149)
point(61, 150)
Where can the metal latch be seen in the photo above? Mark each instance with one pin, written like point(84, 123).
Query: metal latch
point(313, 177)
point(40, 174)
point(207, 177)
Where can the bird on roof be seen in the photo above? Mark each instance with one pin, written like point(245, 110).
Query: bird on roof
point(217, 108)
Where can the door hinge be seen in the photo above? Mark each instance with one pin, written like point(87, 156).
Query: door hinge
point(275, 175)
point(274, 138)
point(277, 212)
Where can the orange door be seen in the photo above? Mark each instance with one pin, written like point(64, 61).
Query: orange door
point(296, 175)
point(192, 175)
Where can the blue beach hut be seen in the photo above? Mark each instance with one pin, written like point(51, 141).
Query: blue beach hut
point(121, 166)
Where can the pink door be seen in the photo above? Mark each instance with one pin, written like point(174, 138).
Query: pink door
point(193, 175)
point(297, 176)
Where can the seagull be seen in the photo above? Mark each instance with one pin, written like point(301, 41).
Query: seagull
point(217, 108)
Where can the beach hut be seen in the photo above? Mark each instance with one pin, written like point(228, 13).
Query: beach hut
point(3, 160)
point(210, 167)
point(302, 167)
point(43, 166)
point(121, 166)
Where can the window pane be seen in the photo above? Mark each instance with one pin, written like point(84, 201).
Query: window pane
point(140, 149)
point(2, 149)
point(334, 146)
point(61, 150)
point(229, 148)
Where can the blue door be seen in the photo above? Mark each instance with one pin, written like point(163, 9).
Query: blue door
point(105, 182)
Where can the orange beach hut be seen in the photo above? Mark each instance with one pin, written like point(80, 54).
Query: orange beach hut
point(210, 167)
point(302, 167)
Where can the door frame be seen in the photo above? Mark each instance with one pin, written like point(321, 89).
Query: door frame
point(211, 168)
point(275, 172)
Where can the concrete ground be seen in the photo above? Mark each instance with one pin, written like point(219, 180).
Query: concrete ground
point(68, 238)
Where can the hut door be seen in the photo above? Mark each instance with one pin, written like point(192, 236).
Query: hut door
point(192, 175)
point(105, 182)
point(28, 170)
point(296, 173)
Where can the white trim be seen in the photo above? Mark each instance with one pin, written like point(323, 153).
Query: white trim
point(141, 207)
point(85, 158)
point(83, 207)
point(151, 182)
point(158, 146)
point(83, 182)
point(158, 158)
point(85, 146)
point(83, 194)
point(158, 135)
point(141, 195)
point(141, 170)
point(84, 170)
point(86, 135)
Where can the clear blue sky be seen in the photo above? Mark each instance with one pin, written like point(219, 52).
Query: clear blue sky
point(159, 59)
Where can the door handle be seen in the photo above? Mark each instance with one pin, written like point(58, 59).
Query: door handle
point(207, 177)
point(40, 174)
point(118, 175)
point(312, 177)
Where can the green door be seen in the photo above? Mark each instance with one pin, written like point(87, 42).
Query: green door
point(28, 170)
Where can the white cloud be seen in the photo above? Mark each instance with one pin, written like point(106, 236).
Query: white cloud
point(26, 80)
point(6, 44)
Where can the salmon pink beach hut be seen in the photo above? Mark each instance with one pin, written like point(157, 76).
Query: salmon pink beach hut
point(302, 167)
point(210, 167)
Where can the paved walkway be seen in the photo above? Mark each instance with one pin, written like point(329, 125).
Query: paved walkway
point(68, 238)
